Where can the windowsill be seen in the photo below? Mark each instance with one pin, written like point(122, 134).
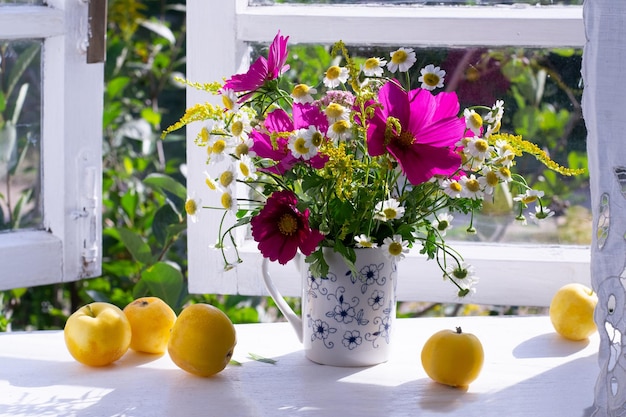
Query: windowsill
point(528, 371)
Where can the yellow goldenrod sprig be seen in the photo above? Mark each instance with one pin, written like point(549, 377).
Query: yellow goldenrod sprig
point(195, 113)
point(521, 146)
point(353, 68)
point(213, 87)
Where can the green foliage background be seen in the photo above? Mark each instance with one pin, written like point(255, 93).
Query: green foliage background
point(144, 241)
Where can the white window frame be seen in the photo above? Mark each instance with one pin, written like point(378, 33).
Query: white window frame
point(68, 246)
point(217, 38)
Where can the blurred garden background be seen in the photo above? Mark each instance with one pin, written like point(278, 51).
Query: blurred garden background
point(144, 242)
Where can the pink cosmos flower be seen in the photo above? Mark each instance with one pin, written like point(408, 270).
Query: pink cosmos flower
point(429, 129)
point(281, 229)
point(279, 121)
point(262, 69)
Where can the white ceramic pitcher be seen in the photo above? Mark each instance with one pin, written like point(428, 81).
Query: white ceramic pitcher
point(347, 318)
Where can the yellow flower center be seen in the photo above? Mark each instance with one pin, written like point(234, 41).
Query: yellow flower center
point(473, 185)
point(210, 184)
point(226, 178)
point(237, 128)
point(228, 103)
point(219, 146)
point(475, 120)
point(395, 248)
point(365, 243)
point(527, 199)
point(340, 127)
point(399, 57)
point(431, 79)
point(456, 187)
point(372, 63)
point(333, 72)
point(505, 172)
point(300, 145)
point(204, 135)
point(492, 178)
point(244, 169)
point(300, 91)
point(481, 145)
point(334, 110)
point(288, 224)
point(242, 149)
point(317, 139)
point(227, 201)
point(191, 207)
point(442, 225)
point(390, 213)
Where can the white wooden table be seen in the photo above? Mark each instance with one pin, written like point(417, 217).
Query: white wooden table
point(529, 371)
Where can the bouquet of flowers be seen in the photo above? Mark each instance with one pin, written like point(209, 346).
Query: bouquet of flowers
point(360, 160)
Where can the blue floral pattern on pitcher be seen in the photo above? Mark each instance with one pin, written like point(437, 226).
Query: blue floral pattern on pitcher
point(363, 318)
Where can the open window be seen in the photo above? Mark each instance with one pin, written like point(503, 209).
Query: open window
point(51, 139)
point(533, 271)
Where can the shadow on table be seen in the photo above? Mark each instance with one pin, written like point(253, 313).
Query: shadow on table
point(129, 389)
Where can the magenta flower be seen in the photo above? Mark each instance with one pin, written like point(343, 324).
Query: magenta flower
point(429, 128)
point(262, 69)
point(279, 121)
point(281, 229)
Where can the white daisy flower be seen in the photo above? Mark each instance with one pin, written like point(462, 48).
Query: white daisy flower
point(192, 207)
point(341, 129)
point(464, 276)
point(335, 112)
point(302, 94)
point(490, 179)
point(473, 121)
point(388, 210)
point(212, 183)
point(246, 168)
point(228, 202)
point(541, 213)
point(530, 196)
point(240, 126)
point(243, 147)
point(452, 188)
point(229, 99)
point(335, 76)
point(432, 77)
point(220, 148)
point(472, 187)
point(301, 144)
point(363, 241)
point(443, 223)
point(401, 60)
point(478, 148)
point(227, 178)
point(373, 67)
point(395, 248)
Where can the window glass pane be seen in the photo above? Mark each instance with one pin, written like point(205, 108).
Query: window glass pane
point(424, 2)
point(542, 90)
point(20, 134)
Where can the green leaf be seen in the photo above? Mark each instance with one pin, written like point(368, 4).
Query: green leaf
point(163, 219)
point(260, 358)
point(160, 29)
point(151, 116)
point(136, 246)
point(116, 86)
point(23, 61)
point(164, 281)
point(163, 183)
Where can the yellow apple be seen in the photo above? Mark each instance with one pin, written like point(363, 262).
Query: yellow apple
point(571, 311)
point(97, 334)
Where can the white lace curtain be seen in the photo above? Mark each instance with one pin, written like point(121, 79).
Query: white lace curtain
point(604, 107)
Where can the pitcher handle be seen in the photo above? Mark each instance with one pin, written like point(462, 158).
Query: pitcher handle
point(290, 315)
